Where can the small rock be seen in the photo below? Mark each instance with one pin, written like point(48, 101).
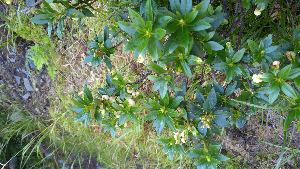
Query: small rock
point(31, 65)
point(25, 72)
point(26, 96)
point(12, 60)
point(30, 3)
point(18, 79)
point(27, 85)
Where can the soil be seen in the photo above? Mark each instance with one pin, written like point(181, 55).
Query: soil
point(23, 83)
point(257, 144)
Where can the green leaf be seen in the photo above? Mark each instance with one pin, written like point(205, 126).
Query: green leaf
point(153, 50)
point(220, 66)
point(59, 28)
point(221, 120)
point(186, 6)
point(201, 129)
point(288, 120)
point(175, 102)
point(253, 45)
point(190, 17)
point(149, 11)
point(285, 72)
point(200, 25)
point(126, 28)
point(166, 100)
point(246, 4)
point(164, 20)
point(273, 93)
point(163, 88)
point(267, 42)
point(203, 6)
point(294, 73)
point(136, 18)
point(288, 90)
point(158, 125)
point(186, 68)
point(87, 94)
point(229, 74)
point(271, 49)
point(41, 19)
point(221, 157)
point(106, 33)
point(170, 123)
point(49, 28)
point(87, 12)
point(122, 119)
point(183, 37)
point(156, 68)
point(267, 77)
point(215, 45)
point(174, 4)
point(212, 98)
point(238, 55)
point(107, 62)
point(230, 88)
point(297, 83)
point(159, 33)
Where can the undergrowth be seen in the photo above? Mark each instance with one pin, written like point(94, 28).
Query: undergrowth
point(187, 79)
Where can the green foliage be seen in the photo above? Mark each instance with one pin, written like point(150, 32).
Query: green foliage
point(43, 52)
point(163, 111)
point(54, 13)
point(100, 49)
point(279, 80)
point(188, 107)
point(230, 64)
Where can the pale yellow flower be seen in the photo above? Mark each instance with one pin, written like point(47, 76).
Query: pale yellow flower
point(112, 99)
point(8, 2)
point(131, 102)
point(182, 136)
point(257, 12)
point(176, 137)
point(276, 64)
point(140, 59)
point(105, 97)
point(135, 94)
point(256, 78)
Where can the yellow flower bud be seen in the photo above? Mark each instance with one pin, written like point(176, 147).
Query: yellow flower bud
point(228, 44)
point(199, 61)
point(290, 55)
point(129, 90)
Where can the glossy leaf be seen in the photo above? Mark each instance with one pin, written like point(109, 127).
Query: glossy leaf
point(288, 90)
point(238, 55)
point(215, 46)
